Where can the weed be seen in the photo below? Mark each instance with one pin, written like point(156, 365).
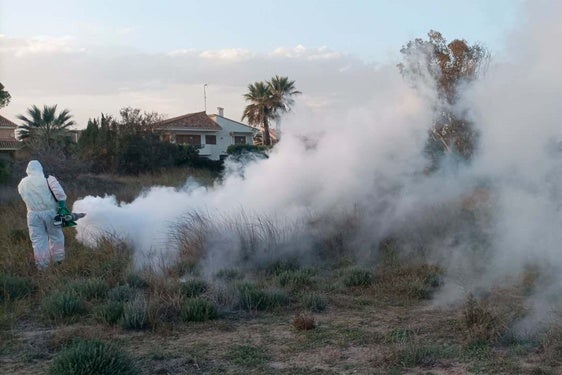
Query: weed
point(109, 313)
point(135, 313)
point(92, 357)
point(248, 355)
point(15, 287)
point(358, 277)
point(193, 288)
point(314, 302)
point(198, 310)
point(62, 305)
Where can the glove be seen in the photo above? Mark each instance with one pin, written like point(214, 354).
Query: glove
point(62, 208)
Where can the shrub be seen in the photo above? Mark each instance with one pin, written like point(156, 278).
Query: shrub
point(110, 312)
point(61, 305)
point(193, 288)
point(135, 313)
point(251, 298)
point(304, 322)
point(198, 310)
point(89, 288)
point(314, 302)
point(15, 287)
point(358, 277)
point(92, 357)
point(241, 149)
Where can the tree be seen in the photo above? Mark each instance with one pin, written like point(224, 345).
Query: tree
point(4, 96)
point(268, 101)
point(46, 128)
point(446, 67)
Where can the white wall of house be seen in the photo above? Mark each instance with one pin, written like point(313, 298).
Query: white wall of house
point(231, 132)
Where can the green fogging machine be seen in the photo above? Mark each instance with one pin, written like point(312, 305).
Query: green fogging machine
point(65, 218)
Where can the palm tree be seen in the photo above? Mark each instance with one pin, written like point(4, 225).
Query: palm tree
point(283, 92)
point(268, 101)
point(261, 108)
point(46, 127)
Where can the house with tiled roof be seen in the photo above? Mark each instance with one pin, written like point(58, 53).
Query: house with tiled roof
point(8, 142)
point(211, 133)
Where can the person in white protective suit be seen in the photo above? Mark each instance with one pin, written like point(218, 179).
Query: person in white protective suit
point(42, 196)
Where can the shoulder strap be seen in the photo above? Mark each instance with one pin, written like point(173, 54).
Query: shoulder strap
point(49, 186)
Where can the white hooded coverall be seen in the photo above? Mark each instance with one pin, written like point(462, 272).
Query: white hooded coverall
point(46, 238)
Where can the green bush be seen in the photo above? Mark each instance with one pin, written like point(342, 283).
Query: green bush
point(193, 288)
point(15, 287)
point(61, 305)
point(241, 149)
point(251, 298)
point(135, 313)
point(92, 357)
point(110, 312)
point(314, 302)
point(89, 288)
point(358, 277)
point(198, 310)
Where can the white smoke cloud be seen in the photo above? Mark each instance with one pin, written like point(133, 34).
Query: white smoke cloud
point(367, 154)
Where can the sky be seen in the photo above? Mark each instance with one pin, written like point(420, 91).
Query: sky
point(99, 56)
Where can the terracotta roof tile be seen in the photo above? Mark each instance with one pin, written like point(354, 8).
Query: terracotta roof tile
point(4, 122)
point(198, 121)
point(9, 143)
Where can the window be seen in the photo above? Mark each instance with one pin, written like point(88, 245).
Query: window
point(188, 139)
point(239, 140)
point(211, 139)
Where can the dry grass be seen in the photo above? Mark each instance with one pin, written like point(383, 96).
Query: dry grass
point(373, 318)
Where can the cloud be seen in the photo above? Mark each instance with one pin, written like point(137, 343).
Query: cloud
point(90, 79)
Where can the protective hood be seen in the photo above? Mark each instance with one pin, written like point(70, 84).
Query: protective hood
point(34, 168)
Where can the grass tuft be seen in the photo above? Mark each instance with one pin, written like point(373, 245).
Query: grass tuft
point(135, 313)
point(89, 288)
point(358, 277)
point(252, 298)
point(62, 305)
point(92, 357)
point(314, 302)
point(198, 310)
point(248, 355)
point(109, 313)
point(15, 287)
point(193, 288)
